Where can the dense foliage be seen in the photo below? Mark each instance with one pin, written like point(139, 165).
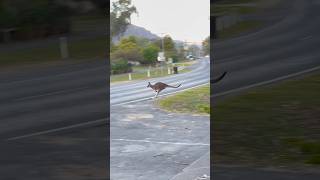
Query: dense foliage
point(120, 16)
point(34, 18)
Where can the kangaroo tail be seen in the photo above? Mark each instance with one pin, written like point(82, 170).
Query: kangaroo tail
point(219, 78)
point(174, 86)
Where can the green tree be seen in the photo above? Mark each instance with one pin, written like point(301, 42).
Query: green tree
point(120, 16)
point(150, 54)
point(206, 46)
point(170, 50)
point(131, 39)
point(194, 49)
point(34, 18)
point(127, 49)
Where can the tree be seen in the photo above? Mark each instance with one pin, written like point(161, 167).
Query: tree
point(194, 50)
point(150, 54)
point(34, 18)
point(120, 16)
point(170, 50)
point(127, 49)
point(206, 46)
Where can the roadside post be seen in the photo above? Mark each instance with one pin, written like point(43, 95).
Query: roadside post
point(148, 72)
point(170, 61)
point(175, 70)
point(64, 48)
point(130, 78)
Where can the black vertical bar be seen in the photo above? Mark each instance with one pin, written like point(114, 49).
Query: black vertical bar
point(213, 34)
point(108, 71)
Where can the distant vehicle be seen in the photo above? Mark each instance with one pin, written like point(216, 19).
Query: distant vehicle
point(190, 57)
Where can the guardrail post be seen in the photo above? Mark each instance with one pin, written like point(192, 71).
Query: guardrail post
point(148, 73)
point(64, 48)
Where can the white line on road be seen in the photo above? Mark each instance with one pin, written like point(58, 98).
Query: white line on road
point(50, 94)
point(144, 99)
point(267, 82)
point(305, 38)
point(47, 77)
point(219, 61)
point(96, 122)
point(90, 123)
point(163, 142)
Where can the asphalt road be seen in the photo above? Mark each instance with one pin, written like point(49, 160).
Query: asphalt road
point(289, 46)
point(131, 92)
point(38, 100)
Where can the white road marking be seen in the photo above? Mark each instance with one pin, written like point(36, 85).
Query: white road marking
point(163, 142)
point(216, 95)
point(305, 38)
point(50, 94)
point(144, 99)
point(219, 61)
point(267, 82)
point(90, 123)
point(47, 77)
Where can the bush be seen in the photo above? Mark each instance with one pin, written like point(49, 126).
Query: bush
point(128, 51)
point(150, 54)
point(120, 66)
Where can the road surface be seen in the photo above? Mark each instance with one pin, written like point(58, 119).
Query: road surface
point(287, 47)
point(284, 50)
point(136, 91)
point(39, 100)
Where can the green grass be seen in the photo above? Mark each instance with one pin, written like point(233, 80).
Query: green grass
point(140, 72)
point(237, 7)
point(233, 7)
point(238, 28)
point(87, 23)
point(87, 48)
point(78, 50)
point(277, 125)
point(195, 101)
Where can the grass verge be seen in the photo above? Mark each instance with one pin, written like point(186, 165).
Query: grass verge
point(234, 7)
point(140, 72)
point(195, 101)
point(240, 8)
point(78, 50)
point(277, 125)
point(240, 27)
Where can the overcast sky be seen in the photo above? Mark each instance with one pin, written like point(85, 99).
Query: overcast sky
point(182, 19)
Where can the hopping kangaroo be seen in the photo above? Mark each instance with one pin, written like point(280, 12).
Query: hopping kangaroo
point(212, 81)
point(159, 86)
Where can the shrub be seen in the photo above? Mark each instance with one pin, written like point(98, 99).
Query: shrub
point(120, 66)
point(150, 54)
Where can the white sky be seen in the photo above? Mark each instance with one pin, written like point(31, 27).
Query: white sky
point(182, 19)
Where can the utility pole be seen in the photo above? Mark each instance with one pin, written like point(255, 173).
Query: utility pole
point(162, 45)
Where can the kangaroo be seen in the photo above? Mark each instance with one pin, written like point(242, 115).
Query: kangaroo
point(159, 86)
point(212, 81)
